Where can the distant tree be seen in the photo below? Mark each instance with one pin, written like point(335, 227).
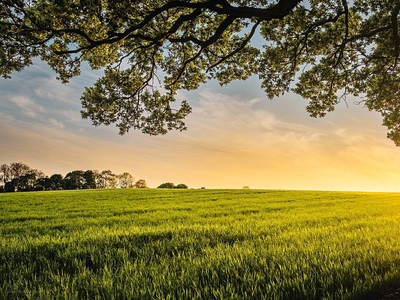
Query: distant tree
point(245, 187)
point(97, 178)
point(16, 176)
point(125, 180)
point(43, 184)
point(74, 180)
point(106, 180)
point(90, 179)
point(56, 182)
point(17, 171)
point(166, 185)
point(5, 174)
point(10, 186)
point(181, 186)
point(140, 184)
point(39, 173)
point(27, 182)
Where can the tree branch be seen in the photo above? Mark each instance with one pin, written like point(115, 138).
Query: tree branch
point(237, 50)
point(220, 30)
point(280, 10)
point(395, 29)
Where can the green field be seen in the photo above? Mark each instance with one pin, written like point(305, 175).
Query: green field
point(198, 244)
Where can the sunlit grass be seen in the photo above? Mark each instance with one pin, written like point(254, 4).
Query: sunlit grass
point(198, 244)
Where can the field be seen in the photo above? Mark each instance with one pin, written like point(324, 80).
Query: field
point(198, 244)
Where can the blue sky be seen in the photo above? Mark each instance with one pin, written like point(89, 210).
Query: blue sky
point(235, 137)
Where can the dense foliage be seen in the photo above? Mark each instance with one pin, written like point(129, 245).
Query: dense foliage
point(321, 50)
point(198, 244)
point(18, 176)
point(171, 185)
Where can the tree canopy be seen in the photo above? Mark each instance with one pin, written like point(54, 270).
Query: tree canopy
point(149, 50)
point(166, 185)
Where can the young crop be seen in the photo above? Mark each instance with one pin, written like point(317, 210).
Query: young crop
point(198, 244)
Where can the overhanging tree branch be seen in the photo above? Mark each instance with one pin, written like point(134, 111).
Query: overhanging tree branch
point(325, 46)
point(395, 30)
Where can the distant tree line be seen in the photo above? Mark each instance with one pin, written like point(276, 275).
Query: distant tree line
point(170, 185)
point(18, 176)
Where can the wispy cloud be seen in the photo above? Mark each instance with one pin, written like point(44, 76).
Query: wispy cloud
point(227, 120)
point(56, 123)
point(28, 106)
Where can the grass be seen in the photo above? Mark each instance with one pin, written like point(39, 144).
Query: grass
point(198, 244)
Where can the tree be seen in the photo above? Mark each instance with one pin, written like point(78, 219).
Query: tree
point(90, 179)
point(166, 185)
point(20, 177)
point(125, 180)
point(27, 182)
point(106, 180)
point(74, 180)
point(332, 48)
point(5, 174)
point(56, 182)
point(141, 184)
point(17, 173)
point(97, 178)
point(43, 184)
point(10, 186)
point(181, 186)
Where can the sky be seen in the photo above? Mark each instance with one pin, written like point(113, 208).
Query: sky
point(236, 137)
